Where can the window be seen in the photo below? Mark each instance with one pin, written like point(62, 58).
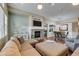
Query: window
point(1, 23)
point(6, 25)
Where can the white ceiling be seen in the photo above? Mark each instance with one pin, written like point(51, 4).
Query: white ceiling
point(59, 10)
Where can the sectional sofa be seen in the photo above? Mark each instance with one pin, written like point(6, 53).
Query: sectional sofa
point(16, 48)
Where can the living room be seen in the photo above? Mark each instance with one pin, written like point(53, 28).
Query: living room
point(45, 27)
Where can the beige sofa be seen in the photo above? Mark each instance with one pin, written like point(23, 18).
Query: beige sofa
point(14, 48)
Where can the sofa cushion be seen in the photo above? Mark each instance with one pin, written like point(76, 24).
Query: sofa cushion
point(10, 49)
point(21, 39)
point(32, 41)
point(28, 50)
point(40, 40)
point(17, 42)
point(25, 46)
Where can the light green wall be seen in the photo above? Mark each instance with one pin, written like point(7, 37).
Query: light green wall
point(18, 24)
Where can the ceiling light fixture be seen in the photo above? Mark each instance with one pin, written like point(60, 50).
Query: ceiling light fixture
point(75, 4)
point(40, 6)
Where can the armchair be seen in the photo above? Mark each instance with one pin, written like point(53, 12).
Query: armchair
point(72, 42)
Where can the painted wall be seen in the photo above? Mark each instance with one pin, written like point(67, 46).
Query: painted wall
point(56, 28)
point(49, 22)
point(75, 26)
point(18, 24)
point(69, 29)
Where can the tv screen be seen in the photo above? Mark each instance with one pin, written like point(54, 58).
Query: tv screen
point(37, 23)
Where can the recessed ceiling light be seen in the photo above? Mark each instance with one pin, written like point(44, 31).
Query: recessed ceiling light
point(75, 4)
point(40, 6)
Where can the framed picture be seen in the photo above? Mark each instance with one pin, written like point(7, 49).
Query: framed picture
point(51, 28)
point(63, 27)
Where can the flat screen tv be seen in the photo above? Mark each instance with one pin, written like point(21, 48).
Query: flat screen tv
point(37, 23)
